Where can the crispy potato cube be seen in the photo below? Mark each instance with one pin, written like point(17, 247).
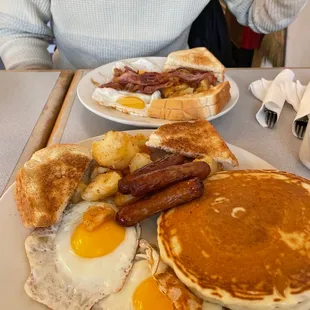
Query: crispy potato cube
point(204, 85)
point(178, 90)
point(182, 92)
point(139, 140)
point(98, 170)
point(181, 86)
point(103, 186)
point(121, 200)
point(140, 160)
point(97, 215)
point(115, 151)
point(214, 166)
point(168, 91)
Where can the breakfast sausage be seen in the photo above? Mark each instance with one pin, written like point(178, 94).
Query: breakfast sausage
point(155, 180)
point(166, 161)
point(168, 198)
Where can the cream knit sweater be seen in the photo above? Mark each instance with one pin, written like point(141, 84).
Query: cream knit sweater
point(90, 33)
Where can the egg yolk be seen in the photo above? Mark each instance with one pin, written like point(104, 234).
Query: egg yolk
point(147, 296)
point(102, 241)
point(132, 102)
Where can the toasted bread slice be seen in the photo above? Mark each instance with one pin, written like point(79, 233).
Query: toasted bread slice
point(192, 139)
point(197, 58)
point(46, 182)
point(193, 106)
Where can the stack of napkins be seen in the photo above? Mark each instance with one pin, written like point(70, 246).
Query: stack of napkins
point(274, 94)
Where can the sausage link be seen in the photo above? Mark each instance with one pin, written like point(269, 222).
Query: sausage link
point(170, 197)
point(155, 180)
point(166, 161)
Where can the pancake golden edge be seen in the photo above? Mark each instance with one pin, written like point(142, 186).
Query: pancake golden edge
point(255, 237)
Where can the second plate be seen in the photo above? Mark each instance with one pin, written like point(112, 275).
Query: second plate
point(85, 90)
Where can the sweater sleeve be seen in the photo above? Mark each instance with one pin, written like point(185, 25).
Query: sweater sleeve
point(265, 16)
point(24, 34)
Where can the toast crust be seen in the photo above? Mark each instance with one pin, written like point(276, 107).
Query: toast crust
point(192, 107)
point(46, 182)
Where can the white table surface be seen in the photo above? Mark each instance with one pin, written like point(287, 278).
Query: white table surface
point(239, 127)
point(23, 96)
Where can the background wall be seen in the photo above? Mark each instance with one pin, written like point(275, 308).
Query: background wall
point(298, 41)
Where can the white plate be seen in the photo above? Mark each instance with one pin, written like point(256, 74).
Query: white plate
point(14, 268)
point(85, 90)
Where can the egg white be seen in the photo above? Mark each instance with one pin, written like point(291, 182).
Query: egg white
point(141, 270)
point(106, 270)
point(123, 299)
point(109, 97)
point(139, 64)
point(62, 280)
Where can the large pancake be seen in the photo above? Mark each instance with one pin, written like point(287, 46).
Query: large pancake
point(245, 243)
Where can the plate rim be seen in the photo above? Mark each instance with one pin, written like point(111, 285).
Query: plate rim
point(141, 122)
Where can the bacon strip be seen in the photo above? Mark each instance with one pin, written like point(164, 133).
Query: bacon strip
point(148, 82)
point(194, 76)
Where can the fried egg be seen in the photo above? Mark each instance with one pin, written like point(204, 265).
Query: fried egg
point(72, 267)
point(126, 102)
point(152, 285)
point(140, 292)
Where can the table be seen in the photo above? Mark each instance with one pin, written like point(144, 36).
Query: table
point(29, 106)
point(76, 123)
point(277, 146)
point(239, 127)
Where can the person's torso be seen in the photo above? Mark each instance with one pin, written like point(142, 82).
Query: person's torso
point(91, 33)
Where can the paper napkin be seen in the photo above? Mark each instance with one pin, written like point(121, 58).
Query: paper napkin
point(275, 96)
point(293, 93)
point(260, 88)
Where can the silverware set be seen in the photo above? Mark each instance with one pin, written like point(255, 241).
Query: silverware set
point(270, 117)
point(300, 127)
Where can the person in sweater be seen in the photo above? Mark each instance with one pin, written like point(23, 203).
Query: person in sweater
point(91, 33)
